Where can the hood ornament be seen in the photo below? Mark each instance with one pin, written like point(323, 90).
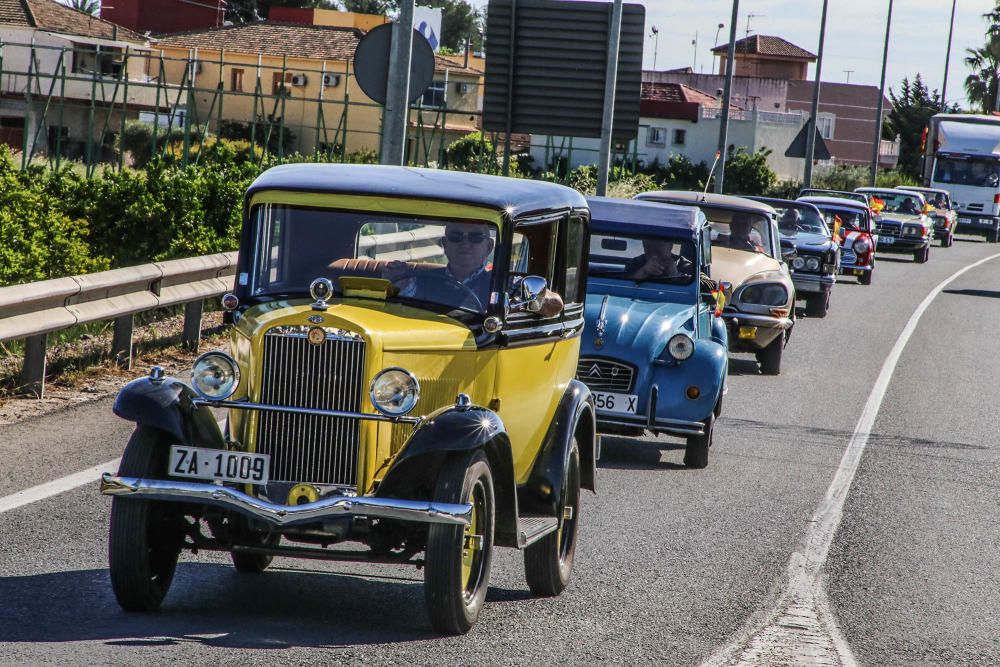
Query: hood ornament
point(602, 322)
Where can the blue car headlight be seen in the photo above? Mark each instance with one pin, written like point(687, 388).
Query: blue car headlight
point(680, 347)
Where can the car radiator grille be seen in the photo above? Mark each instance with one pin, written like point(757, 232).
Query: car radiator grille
point(889, 230)
point(605, 375)
point(308, 448)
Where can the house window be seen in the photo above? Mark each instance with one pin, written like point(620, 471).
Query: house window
point(281, 83)
point(434, 96)
point(236, 80)
point(93, 59)
point(825, 123)
point(657, 136)
point(679, 137)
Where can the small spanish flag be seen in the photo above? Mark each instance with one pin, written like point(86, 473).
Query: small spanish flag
point(877, 205)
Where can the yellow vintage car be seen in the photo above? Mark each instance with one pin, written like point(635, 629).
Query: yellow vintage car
point(401, 375)
point(747, 253)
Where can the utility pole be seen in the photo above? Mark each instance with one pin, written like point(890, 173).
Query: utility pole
point(947, 60)
point(694, 43)
point(656, 44)
point(848, 72)
point(610, 86)
point(811, 132)
point(724, 117)
point(881, 100)
point(397, 95)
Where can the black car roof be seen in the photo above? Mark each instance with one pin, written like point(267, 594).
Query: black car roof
point(515, 196)
point(785, 203)
point(644, 217)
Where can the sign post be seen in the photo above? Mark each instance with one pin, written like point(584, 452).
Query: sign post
point(610, 85)
point(397, 99)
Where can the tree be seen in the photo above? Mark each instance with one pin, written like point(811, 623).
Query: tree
point(910, 113)
point(92, 7)
point(381, 7)
point(982, 85)
point(249, 11)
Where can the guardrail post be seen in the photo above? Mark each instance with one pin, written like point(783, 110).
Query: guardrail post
point(121, 344)
point(33, 370)
point(192, 324)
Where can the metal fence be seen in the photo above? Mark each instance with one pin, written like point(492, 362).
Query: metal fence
point(77, 104)
point(33, 310)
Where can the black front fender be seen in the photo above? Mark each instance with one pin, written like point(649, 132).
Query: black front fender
point(455, 431)
point(168, 406)
point(574, 418)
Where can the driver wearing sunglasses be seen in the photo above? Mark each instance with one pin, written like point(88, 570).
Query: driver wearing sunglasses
point(467, 247)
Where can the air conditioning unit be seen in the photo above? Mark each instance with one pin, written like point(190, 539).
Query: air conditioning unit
point(196, 66)
point(462, 87)
point(331, 80)
point(299, 80)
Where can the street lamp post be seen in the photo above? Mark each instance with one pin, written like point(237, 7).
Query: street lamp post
point(811, 132)
point(947, 59)
point(881, 99)
point(656, 44)
point(724, 116)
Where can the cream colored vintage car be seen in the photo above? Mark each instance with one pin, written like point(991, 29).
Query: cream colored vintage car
point(746, 252)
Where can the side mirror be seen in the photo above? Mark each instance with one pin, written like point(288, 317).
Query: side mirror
point(526, 294)
point(788, 252)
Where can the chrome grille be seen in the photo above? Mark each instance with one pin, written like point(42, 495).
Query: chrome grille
point(330, 376)
point(888, 230)
point(604, 374)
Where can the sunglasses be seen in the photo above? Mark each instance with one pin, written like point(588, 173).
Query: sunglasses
point(472, 237)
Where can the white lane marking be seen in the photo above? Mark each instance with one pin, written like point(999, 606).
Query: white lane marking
point(802, 626)
point(56, 486)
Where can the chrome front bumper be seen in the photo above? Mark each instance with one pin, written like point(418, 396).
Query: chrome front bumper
point(674, 426)
point(420, 511)
point(763, 321)
point(818, 282)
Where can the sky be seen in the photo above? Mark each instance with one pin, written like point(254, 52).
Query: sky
point(855, 36)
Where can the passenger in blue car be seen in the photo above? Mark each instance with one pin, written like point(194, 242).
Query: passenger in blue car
point(657, 261)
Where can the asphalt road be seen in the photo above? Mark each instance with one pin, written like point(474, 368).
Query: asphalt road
point(672, 563)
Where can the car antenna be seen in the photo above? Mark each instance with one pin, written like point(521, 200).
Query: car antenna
point(711, 171)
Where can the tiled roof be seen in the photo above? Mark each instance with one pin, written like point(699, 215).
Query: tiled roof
point(295, 40)
point(677, 92)
point(767, 45)
point(275, 39)
point(52, 16)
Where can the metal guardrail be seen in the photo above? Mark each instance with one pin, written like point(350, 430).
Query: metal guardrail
point(33, 310)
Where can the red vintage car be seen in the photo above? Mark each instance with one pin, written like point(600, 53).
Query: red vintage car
point(852, 222)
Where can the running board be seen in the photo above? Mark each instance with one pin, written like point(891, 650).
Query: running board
point(530, 529)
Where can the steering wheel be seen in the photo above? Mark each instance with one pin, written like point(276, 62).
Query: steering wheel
point(437, 282)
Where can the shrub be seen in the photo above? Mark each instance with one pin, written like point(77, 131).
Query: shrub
point(37, 241)
point(748, 173)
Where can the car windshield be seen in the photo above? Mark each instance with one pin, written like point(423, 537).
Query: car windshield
point(904, 203)
point(740, 230)
point(849, 220)
point(794, 219)
point(447, 264)
point(977, 172)
point(641, 258)
point(853, 196)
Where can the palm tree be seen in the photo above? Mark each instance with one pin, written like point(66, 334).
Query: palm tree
point(92, 7)
point(983, 85)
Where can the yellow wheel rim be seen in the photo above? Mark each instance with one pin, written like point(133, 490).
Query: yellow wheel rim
point(472, 543)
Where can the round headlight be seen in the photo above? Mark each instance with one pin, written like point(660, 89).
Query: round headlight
point(861, 246)
point(774, 295)
point(215, 376)
point(680, 346)
point(751, 294)
point(394, 392)
point(798, 263)
point(812, 264)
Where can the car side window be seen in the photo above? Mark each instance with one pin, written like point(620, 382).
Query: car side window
point(575, 234)
point(534, 249)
